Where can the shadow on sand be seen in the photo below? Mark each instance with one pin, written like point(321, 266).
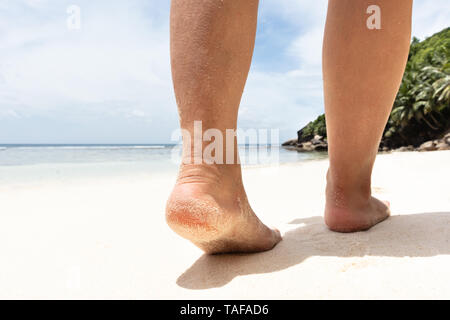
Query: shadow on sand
point(416, 235)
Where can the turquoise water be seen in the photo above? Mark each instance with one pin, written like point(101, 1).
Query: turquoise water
point(34, 163)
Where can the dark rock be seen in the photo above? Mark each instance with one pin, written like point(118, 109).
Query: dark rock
point(442, 146)
point(307, 146)
point(317, 140)
point(404, 148)
point(317, 143)
point(291, 142)
point(321, 147)
point(427, 146)
point(447, 138)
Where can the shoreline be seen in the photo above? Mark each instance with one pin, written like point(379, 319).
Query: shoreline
point(320, 143)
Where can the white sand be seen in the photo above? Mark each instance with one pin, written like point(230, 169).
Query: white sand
point(108, 239)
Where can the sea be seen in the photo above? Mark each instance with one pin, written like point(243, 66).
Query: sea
point(32, 163)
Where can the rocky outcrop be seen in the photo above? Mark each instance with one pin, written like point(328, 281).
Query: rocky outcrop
point(317, 143)
point(433, 145)
point(401, 149)
point(420, 115)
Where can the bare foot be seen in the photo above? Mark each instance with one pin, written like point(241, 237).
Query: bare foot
point(353, 209)
point(209, 207)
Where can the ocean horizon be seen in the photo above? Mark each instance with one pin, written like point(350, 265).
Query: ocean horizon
point(31, 163)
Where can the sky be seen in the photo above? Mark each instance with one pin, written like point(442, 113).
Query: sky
point(109, 81)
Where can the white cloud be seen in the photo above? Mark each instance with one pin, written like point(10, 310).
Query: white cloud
point(429, 17)
point(280, 100)
point(111, 79)
point(116, 64)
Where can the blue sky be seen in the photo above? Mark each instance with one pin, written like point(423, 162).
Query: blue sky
point(109, 82)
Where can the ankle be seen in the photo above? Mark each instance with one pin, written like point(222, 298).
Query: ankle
point(193, 173)
point(348, 192)
point(218, 179)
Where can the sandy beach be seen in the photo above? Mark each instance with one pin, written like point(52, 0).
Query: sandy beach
point(107, 238)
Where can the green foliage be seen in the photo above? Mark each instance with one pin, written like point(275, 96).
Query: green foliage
point(316, 127)
point(421, 109)
point(424, 53)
